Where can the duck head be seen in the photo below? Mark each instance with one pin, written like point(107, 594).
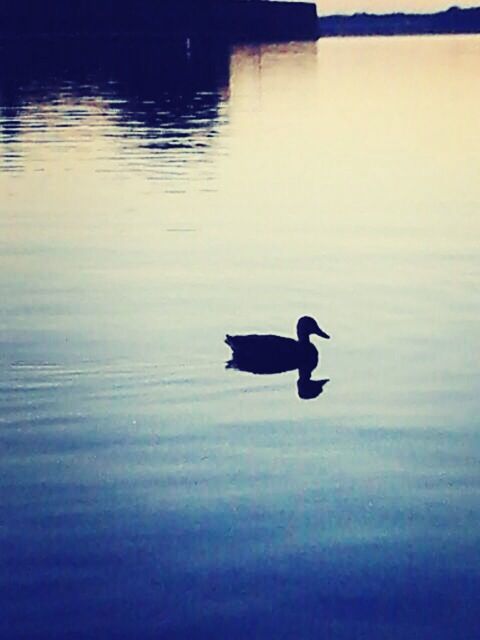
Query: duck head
point(306, 326)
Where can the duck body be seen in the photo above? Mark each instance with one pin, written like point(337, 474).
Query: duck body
point(276, 354)
point(270, 353)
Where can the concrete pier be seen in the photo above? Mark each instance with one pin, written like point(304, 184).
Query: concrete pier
point(234, 20)
point(264, 20)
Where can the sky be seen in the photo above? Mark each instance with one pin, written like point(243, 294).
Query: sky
point(388, 6)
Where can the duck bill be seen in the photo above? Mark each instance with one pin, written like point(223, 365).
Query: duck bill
point(322, 334)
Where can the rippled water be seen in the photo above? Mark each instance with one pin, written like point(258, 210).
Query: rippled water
point(153, 199)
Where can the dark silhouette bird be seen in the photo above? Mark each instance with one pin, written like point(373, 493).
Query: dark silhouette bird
point(276, 354)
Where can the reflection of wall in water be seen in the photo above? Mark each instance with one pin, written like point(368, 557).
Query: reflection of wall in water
point(157, 87)
point(257, 69)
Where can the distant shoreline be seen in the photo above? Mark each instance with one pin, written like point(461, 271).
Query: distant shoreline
point(451, 21)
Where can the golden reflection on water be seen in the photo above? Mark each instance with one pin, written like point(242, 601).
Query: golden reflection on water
point(368, 127)
point(363, 126)
point(331, 178)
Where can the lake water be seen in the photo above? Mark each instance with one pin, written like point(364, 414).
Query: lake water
point(152, 200)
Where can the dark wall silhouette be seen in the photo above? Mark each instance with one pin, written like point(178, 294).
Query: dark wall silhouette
point(232, 19)
point(258, 20)
point(104, 16)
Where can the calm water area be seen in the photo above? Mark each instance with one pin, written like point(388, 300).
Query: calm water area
point(154, 199)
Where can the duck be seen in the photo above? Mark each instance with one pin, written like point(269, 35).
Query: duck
point(266, 354)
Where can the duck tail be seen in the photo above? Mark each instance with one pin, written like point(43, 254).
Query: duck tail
point(232, 342)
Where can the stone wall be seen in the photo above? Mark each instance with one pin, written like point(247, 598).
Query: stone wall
point(228, 19)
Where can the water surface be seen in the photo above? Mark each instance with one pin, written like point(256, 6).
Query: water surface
point(153, 199)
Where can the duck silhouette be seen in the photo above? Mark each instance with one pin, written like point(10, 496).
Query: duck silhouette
point(264, 354)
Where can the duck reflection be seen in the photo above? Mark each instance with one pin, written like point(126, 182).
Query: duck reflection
point(307, 388)
point(271, 354)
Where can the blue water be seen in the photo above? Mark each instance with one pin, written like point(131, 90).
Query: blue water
point(154, 200)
